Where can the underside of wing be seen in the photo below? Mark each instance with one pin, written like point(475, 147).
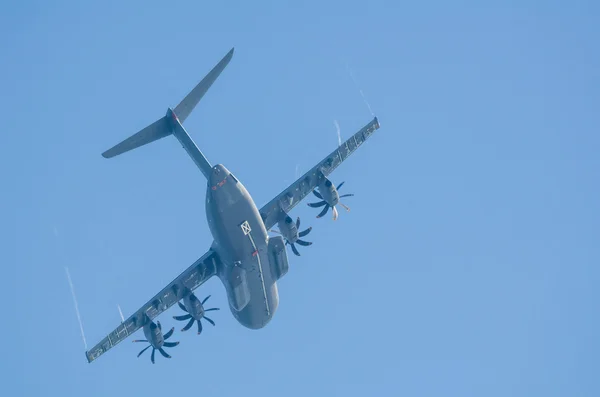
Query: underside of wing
point(194, 276)
point(293, 194)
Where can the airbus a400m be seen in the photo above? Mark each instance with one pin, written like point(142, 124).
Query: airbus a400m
point(243, 256)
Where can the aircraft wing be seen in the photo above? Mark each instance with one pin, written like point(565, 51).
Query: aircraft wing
point(194, 276)
point(293, 194)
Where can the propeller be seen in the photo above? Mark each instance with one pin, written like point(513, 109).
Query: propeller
point(325, 204)
point(297, 240)
point(162, 342)
point(291, 235)
point(197, 313)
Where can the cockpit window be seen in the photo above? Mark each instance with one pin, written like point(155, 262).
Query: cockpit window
point(233, 178)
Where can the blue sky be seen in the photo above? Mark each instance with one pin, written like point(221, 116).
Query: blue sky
point(468, 265)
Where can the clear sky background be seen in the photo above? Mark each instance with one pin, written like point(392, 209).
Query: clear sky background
point(468, 265)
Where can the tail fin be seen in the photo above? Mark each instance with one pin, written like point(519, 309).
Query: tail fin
point(171, 123)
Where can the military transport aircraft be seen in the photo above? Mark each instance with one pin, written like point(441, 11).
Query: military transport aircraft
point(246, 259)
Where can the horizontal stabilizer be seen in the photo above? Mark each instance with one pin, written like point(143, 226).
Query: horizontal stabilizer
point(171, 123)
point(157, 130)
point(188, 103)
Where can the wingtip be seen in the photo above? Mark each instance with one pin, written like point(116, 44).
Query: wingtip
point(109, 153)
point(230, 54)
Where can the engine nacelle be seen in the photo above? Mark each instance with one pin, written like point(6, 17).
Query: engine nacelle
point(288, 228)
point(154, 334)
point(278, 260)
point(193, 306)
point(329, 192)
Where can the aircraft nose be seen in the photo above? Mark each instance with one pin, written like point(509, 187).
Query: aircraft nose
point(219, 173)
point(217, 170)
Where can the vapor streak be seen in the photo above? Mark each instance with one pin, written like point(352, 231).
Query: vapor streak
point(121, 313)
point(76, 307)
point(339, 132)
point(360, 90)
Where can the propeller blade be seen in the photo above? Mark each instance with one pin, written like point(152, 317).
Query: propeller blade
point(159, 326)
point(340, 185)
point(140, 340)
point(347, 195)
point(199, 327)
point(144, 349)
point(168, 334)
point(152, 356)
point(317, 194)
point(205, 299)
point(305, 232)
point(345, 206)
point(182, 318)
point(298, 223)
point(294, 249)
point(188, 325)
point(164, 353)
point(335, 213)
point(182, 307)
point(209, 320)
point(303, 243)
point(210, 310)
point(323, 212)
point(170, 344)
point(317, 205)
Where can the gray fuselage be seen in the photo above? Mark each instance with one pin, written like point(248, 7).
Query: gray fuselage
point(241, 242)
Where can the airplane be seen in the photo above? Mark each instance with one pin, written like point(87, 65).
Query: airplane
point(243, 256)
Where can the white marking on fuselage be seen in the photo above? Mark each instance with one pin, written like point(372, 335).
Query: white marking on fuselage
point(260, 272)
point(246, 227)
